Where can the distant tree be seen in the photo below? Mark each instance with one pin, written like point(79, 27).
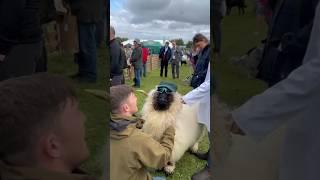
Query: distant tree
point(179, 41)
point(189, 44)
point(120, 39)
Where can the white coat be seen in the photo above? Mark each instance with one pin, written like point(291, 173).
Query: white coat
point(202, 95)
point(296, 102)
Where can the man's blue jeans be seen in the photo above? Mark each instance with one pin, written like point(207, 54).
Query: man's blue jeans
point(137, 76)
point(87, 59)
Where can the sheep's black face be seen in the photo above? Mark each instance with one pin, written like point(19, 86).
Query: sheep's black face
point(162, 101)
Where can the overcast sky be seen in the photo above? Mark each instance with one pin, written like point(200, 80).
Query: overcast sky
point(160, 19)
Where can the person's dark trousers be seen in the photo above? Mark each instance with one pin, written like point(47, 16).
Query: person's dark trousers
point(88, 51)
point(144, 70)
point(137, 73)
point(41, 65)
point(20, 61)
point(117, 80)
point(164, 65)
point(217, 33)
point(123, 79)
point(175, 70)
point(101, 31)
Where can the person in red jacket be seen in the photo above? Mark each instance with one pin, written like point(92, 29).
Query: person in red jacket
point(145, 53)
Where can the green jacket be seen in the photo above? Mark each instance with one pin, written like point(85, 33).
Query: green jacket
point(8, 172)
point(132, 151)
point(136, 57)
point(87, 11)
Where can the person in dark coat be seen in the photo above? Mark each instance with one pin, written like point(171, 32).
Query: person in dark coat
point(116, 62)
point(88, 13)
point(20, 37)
point(165, 56)
point(199, 75)
point(136, 61)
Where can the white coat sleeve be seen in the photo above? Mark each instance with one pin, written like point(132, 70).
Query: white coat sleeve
point(289, 99)
point(197, 94)
point(200, 92)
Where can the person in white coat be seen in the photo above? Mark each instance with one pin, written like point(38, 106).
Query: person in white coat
point(294, 101)
point(201, 95)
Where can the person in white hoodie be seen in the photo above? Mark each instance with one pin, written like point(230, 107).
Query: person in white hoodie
point(201, 95)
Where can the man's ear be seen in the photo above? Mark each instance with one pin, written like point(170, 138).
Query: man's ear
point(52, 146)
point(125, 107)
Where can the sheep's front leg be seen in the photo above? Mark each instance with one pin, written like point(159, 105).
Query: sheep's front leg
point(169, 169)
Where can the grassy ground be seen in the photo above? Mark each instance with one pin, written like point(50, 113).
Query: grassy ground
point(94, 108)
point(233, 85)
point(188, 164)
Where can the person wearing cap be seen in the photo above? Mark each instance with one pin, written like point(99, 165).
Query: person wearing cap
point(131, 150)
point(136, 61)
point(165, 56)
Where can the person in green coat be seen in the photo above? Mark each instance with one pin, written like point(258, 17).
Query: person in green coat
point(131, 150)
point(136, 61)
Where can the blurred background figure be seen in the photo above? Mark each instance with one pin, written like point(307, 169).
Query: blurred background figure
point(88, 14)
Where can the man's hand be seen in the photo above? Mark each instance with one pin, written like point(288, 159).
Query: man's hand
point(232, 126)
point(170, 129)
point(2, 57)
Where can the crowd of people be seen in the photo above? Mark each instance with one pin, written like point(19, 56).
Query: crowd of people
point(134, 58)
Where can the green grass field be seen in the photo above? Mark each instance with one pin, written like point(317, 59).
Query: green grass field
point(94, 108)
point(233, 85)
point(189, 164)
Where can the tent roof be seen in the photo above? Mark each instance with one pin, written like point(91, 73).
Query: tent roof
point(151, 43)
point(130, 41)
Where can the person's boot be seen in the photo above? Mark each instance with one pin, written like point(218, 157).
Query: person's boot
point(203, 174)
point(134, 82)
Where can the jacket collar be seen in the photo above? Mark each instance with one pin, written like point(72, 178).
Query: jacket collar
point(8, 172)
point(120, 123)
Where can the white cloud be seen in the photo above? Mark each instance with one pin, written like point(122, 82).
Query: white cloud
point(162, 19)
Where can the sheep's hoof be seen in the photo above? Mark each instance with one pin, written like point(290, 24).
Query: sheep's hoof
point(195, 148)
point(169, 170)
